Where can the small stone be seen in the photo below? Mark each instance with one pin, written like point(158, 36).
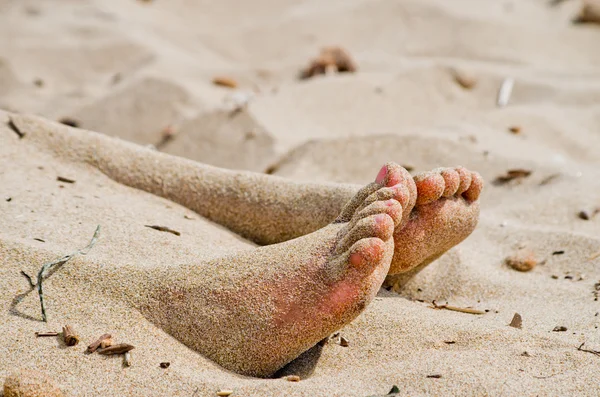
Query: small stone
point(590, 12)
point(344, 342)
point(517, 321)
point(30, 383)
point(559, 328)
point(224, 81)
point(225, 392)
point(463, 79)
point(583, 214)
point(293, 378)
point(167, 365)
point(523, 260)
point(515, 129)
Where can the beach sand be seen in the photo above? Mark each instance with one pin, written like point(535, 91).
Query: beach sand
point(136, 69)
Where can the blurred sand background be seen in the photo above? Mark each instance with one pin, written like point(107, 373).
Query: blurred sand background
point(132, 69)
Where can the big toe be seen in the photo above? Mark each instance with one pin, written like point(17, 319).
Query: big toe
point(366, 251)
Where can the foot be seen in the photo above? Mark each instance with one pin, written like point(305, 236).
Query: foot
point(255, 311)
point(446, 212)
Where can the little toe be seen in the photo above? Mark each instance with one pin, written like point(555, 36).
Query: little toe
point(465, 179)
point(365, 252)
point(430, 187)
point(474, 190)
point(380, 226)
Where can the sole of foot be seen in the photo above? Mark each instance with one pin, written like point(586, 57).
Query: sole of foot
point(446, 212)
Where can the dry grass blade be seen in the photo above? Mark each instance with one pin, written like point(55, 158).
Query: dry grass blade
point(594, 256)
point(467, 310)
point(164, 229)
point(581, 349)
point(44, 271)
point(504, 92)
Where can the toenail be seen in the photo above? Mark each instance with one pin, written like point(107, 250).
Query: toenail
point(381, 175)
point(356, 259)
point(381, 218)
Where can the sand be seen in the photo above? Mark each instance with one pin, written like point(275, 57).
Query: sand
point(133, 69)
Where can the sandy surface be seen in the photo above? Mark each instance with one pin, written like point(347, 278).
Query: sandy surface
point(131, 69)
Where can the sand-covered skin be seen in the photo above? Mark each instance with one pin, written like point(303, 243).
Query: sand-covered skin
point(402, 105)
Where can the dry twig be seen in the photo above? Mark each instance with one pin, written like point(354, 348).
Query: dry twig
point(94, 346)
point(581, 349)
point(164, 229)
point(467, 310)
point(44, 271)
point(69, 335)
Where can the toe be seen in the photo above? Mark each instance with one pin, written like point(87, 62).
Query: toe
point(392, 174)
point(465, 179)
point(390, 207)
point(451, 181)
point(474, 190)
point(430, 187)
point(366, 252)
point(398, 193)
point(380, 226)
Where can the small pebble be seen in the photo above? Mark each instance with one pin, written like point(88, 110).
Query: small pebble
point(523, 260)
point(293, 378)
point(559, 328)
point(225, 392)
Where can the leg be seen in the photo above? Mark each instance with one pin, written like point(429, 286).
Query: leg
point(294, 293)
point(268, 209)
point(259, 207)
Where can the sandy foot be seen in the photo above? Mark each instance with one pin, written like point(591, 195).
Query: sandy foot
point(446, 212)
point(255, 311)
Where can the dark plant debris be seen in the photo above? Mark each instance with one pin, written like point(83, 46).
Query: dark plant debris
point(595, 352)
point(335, 59)
point(164, 229)
point(70, 122)
point(116, 349)
point(549, 179)
point(586, 215)
point(434, 376)
point(517, 175)
point(559, 328)
point(13, 126)
point(165, 365)
point(64, 179)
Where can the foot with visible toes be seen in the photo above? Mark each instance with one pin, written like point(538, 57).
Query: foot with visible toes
point(255, 311)
point(445, 213)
